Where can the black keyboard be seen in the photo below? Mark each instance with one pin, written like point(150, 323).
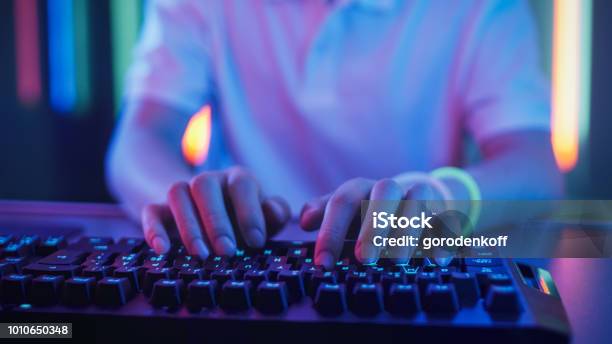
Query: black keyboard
point(277, 292)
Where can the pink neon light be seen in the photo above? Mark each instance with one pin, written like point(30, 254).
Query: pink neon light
point(27, 53)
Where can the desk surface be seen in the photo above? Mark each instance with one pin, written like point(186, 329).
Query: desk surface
point(585, 285)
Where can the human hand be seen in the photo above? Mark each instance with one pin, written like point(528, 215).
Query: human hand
point(204, 208)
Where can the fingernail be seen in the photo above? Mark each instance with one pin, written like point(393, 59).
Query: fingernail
point(201, 249)
point(159, 245)
point(325, 258)
point(256, 238)
point(225, 246)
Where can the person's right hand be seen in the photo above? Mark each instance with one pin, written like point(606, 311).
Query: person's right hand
point(204, 208)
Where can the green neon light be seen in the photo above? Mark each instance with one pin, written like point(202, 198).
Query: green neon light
point(126, 18)
point(82, 55)
point(585, 69)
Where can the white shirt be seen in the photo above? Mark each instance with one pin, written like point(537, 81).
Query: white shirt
point(308, 94)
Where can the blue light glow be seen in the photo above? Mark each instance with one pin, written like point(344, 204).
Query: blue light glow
point(62, 78)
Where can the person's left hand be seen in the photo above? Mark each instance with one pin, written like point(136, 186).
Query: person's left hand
point(334, 213)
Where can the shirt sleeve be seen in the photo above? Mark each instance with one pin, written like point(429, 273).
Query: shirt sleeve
point(172, 59)
point(505, 87)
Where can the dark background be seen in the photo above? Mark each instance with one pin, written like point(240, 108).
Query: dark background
point(46, 155)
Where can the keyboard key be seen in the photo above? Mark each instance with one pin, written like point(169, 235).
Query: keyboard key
point(424, 279)
point(16, 249)
point(319, 277)
point(355, 277)
point(98, 272)
point(201, 294)
point(153, 275)
point(100, 258)
point(55, 270)
point(79, 291)
point(18, 263)
point(113, 292)
point(46, 290)
point(493, 279)
point(6, 269)
point(482, 262)
point(15, 289)
point(275, 269)
point(168, 293)
point(133, 259)
point(190, 274)
point(132, 273)
point(94, 243)
point(403, 299)
point(441, 299)
point(390, 278)
point(130, 245)
point(294, 283)
point(184, 262)
point(271, 297)
point(235, 296)
point(367, 299)
point(65, 257)
point(256, 276)
point(222, 276)
point(466, 287)
point(502, 299)
point(330, 299)
point(50, 245)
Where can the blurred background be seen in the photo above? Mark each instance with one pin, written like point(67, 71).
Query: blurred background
point(62, 64)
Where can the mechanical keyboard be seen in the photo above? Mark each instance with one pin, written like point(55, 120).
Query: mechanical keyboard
point(116, 286)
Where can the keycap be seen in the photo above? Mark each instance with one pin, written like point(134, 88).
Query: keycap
point(184, 262)
point(91, 243)
point(403, 299)
point(190, 274)
point(153, 275)
point(50, 245)
point(6, 268)
point(466, 287)
point(222, 276)
point(445, 273)
point(67, 271)
point(330, 299)
point(65, 257)
point(100, 258)
point(321, 276)
point(482, 262)
point(15, 288)
point(201, 294)
point(256, 276)
point(493, 279)
point(295, 284)
point(79, 291)
point(390, 278)
point(424, 279)
point(132, 273)
point(99, 272)
point(271, 297)
point(441, 299)
point(235, 296)
point(18, 263)
point(275, 269)
point(167, 293)
point(241, 269)
point(46, 290)
point(132, 259)
point(16, 249)
point(502, 299)
point(130, 245)
point(113, 292)
point(367, 299)
point(5, 239)
point(355, 277)
point(295, 255)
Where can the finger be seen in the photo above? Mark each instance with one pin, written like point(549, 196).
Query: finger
point(152, 224)
point(385, 196)
point(339, 213)
point(185, 215)
point(207, 191)
point(276, 213)
point(244, 195)
point(312, 213)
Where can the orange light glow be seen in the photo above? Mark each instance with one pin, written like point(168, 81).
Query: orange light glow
point(566, 82)
point(544, 286)
point(196, 139)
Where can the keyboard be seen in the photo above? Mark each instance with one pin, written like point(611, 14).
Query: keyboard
point(117, 287)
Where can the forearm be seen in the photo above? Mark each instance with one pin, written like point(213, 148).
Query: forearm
point(145, 156)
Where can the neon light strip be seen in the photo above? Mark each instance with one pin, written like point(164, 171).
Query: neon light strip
point(62, 84)
point(570, 85)
point(125, 25)
point(82, 56)
point(27, 53)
